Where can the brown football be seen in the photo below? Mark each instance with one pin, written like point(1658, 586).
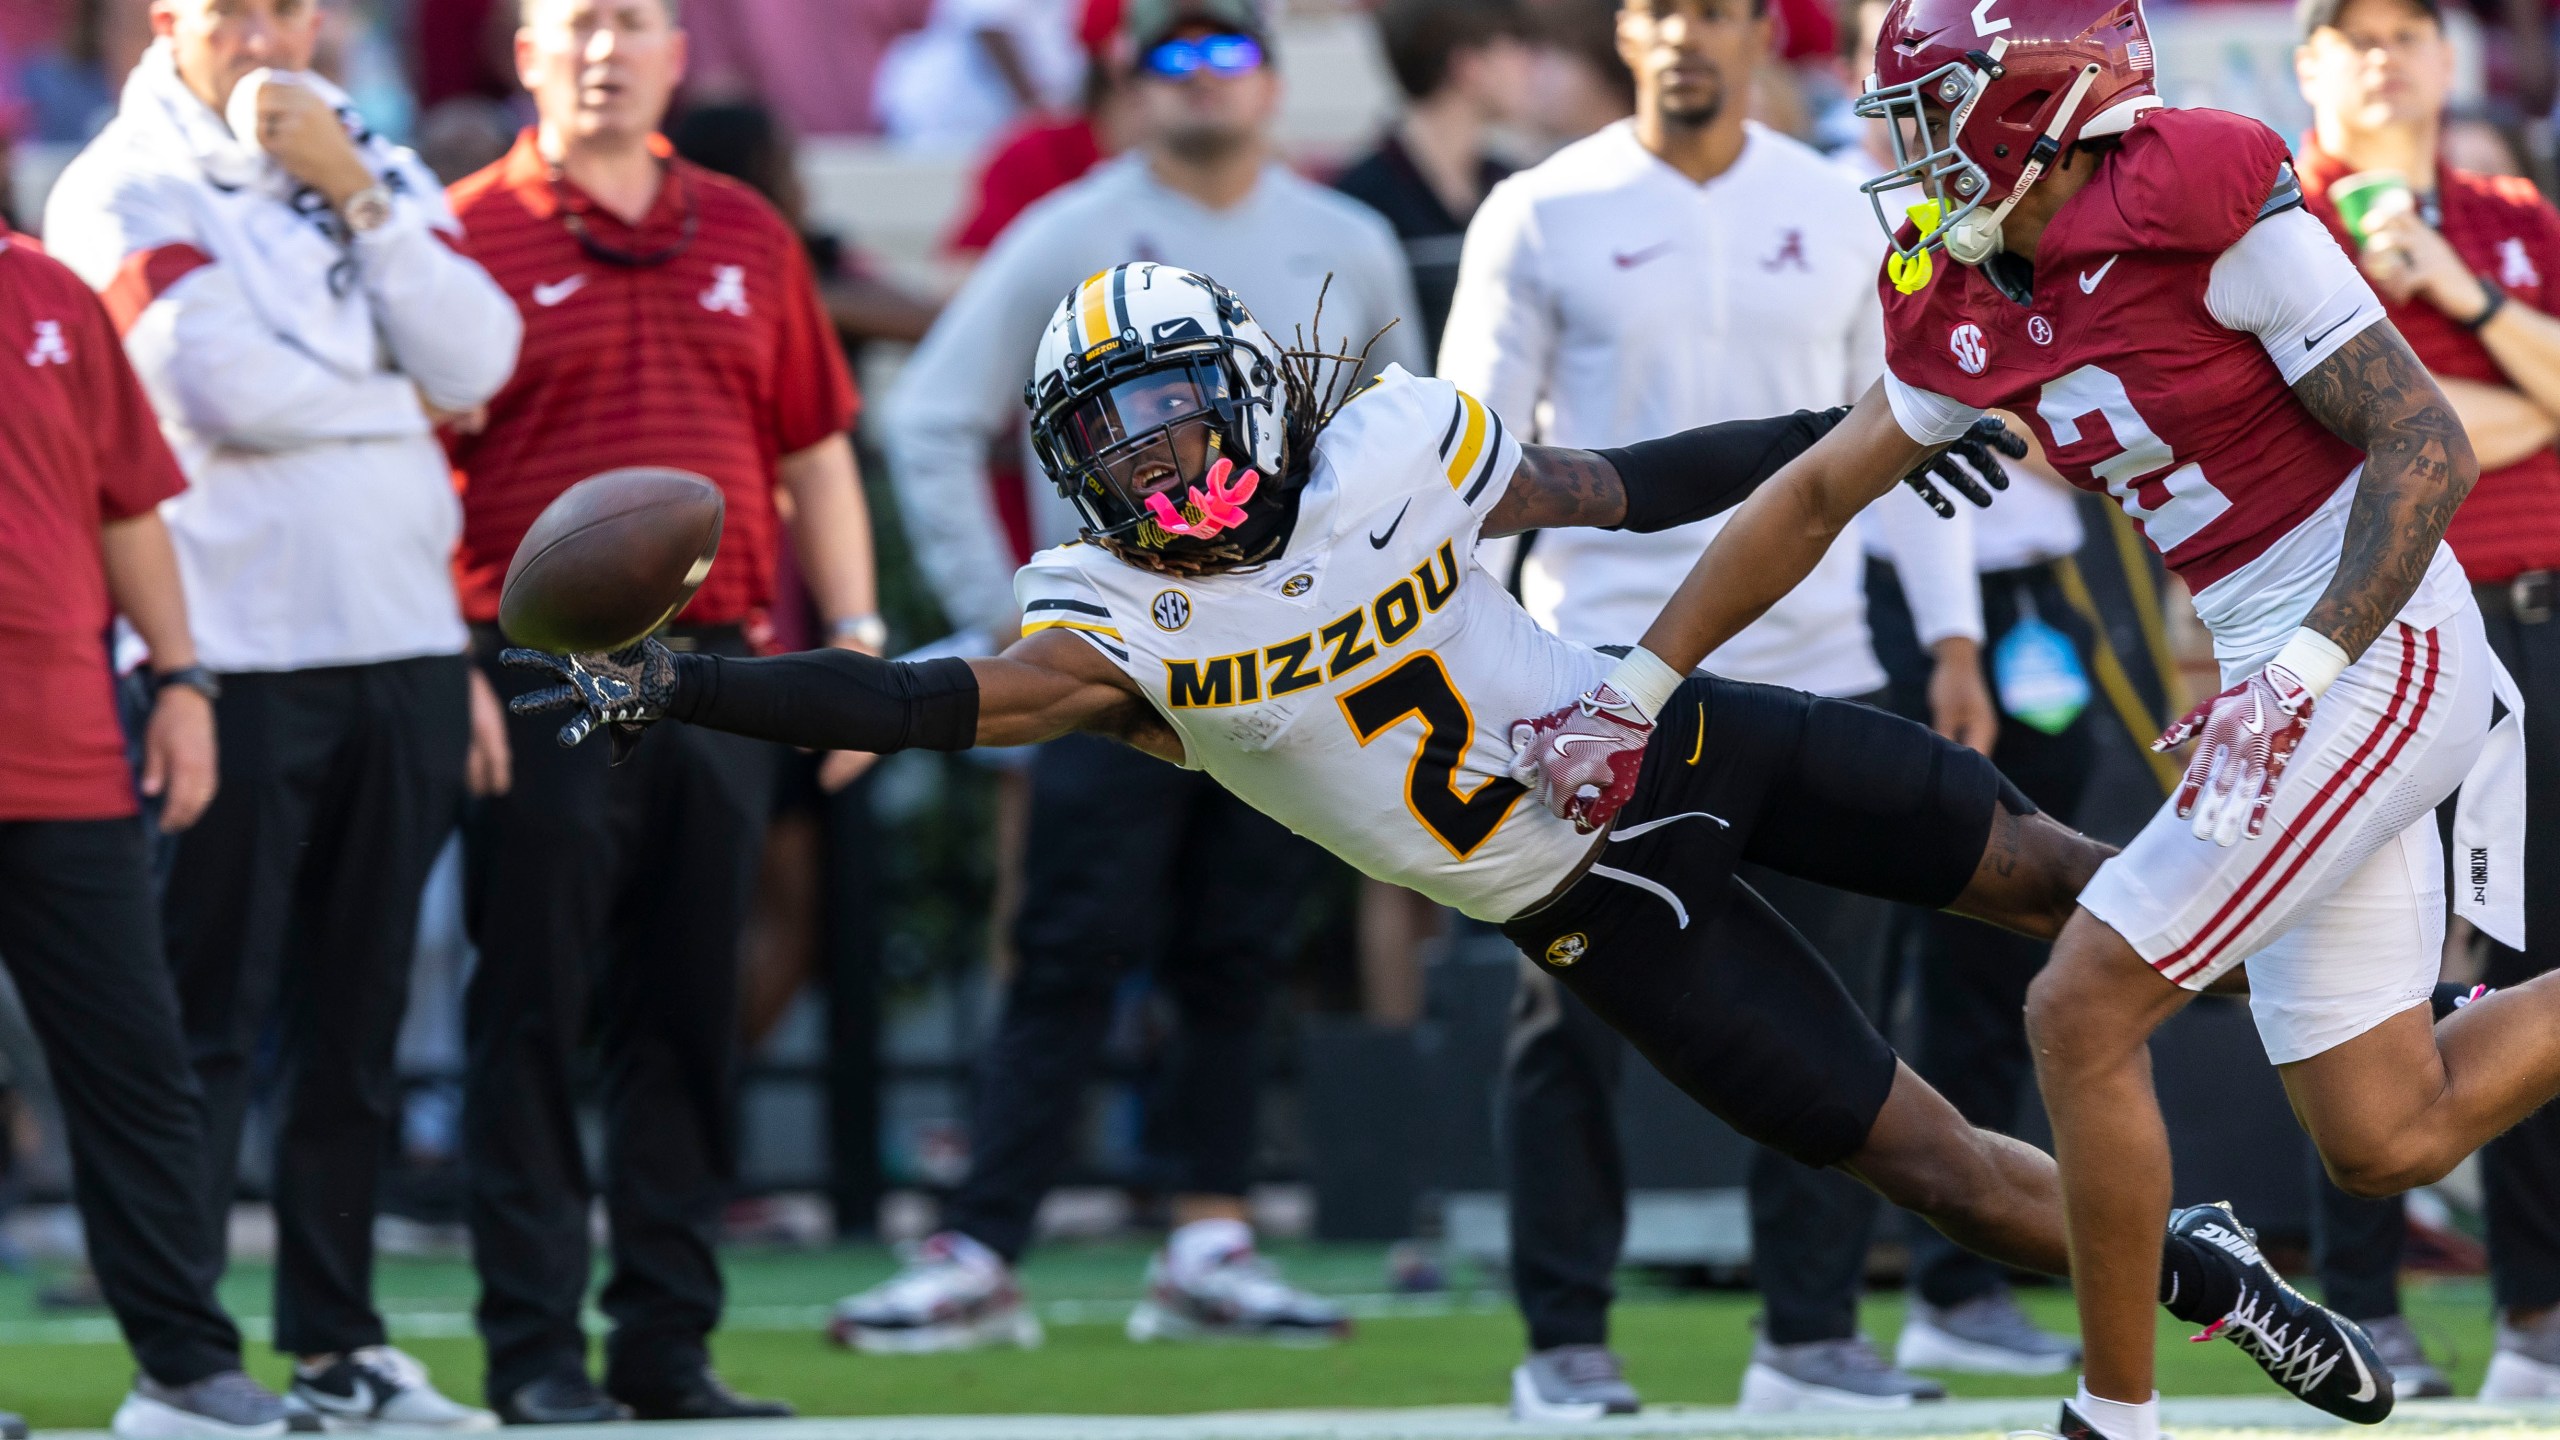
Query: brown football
point(615, 557)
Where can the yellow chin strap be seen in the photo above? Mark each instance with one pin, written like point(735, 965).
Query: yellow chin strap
point(1912, 275)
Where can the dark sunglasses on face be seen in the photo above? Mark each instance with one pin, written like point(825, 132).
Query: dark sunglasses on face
point(1219, 54)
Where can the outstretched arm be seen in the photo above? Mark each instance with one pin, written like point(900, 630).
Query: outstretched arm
point(1581, 761)
point(1657, 484)
point(2418, 466)
point(1046, 685)
point(1776, 538)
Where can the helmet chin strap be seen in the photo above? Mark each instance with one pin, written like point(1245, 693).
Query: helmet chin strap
point(1976, 237)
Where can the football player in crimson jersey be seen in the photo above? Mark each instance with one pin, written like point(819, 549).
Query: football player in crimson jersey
point(1286, 597)
point(2141, 285)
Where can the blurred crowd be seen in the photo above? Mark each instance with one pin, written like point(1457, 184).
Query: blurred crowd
point(470, 254)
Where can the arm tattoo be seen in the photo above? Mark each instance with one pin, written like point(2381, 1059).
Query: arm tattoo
point(2374, 395)
point(1557, 487)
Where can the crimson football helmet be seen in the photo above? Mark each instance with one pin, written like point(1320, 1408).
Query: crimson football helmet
point(1980, 96)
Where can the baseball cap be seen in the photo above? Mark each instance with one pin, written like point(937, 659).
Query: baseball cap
point(1148, 22)
point(2312, 16)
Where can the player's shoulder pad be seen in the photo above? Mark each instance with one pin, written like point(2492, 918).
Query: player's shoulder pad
point(2192, 180)
point(1401, 428)
point(1056, 592)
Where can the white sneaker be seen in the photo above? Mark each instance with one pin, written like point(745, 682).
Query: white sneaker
point(228, 1406)
point(2526, 1364)
point(953, 1294)
point(1208, 1284)
point(1986, 1335)
point(1571, 1385)
point(1829, 1375)
point(378, 1388)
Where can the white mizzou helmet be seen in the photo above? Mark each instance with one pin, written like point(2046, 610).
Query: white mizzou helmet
point(1159, 407)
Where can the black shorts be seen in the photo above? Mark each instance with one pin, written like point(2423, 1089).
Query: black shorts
point(1725, 998)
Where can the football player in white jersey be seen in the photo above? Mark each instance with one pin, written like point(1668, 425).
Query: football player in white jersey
point(1279, 589)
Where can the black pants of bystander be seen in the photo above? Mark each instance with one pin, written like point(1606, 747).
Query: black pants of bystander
point(294, 900)
point(1131, 862)
point(606, 901)
point(81, 937)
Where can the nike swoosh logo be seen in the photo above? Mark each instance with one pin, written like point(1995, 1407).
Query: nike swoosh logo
point(2367, 1390)
point(2256, 724)
point(2312, 342)
point(1567, 742)
point(2089, 282)
point(1379, 542)
point(1630, 259)
point(552, 294)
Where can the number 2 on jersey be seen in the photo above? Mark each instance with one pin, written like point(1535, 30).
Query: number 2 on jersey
point(2172, 506)
point(1419, 685)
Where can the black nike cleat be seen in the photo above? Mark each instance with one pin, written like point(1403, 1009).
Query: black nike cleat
point(2316, 1354)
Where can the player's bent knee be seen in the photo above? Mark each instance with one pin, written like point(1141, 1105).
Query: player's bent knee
point(2382, 1169)
point(2380, 1177)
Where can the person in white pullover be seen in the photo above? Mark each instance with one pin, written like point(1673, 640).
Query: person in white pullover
point(300, 327)
point(1109, 827)
point(1678, 268)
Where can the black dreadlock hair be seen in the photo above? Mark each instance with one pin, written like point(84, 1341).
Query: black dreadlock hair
point(1315, 383)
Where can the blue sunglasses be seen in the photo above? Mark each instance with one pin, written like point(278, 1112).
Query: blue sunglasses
point(1219, 54)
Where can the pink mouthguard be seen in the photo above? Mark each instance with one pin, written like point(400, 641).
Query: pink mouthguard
point(1219, 507)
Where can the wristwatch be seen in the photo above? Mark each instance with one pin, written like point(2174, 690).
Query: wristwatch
point(2489, 308)
point(366, 210)
point(193, 677)
point(868, 631)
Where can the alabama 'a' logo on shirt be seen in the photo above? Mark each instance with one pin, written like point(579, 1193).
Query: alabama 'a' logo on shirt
point(50, 348)
point(728, 292)
point(2515, 265)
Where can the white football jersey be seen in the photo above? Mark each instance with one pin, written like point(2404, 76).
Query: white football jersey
point(1360, 687)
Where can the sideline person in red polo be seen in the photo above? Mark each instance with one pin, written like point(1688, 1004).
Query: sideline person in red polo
point(82, 472)
point(2467, 265)
point(670, 319)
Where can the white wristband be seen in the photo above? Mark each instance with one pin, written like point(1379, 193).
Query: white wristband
point(1644, 681)
point(2314, 659)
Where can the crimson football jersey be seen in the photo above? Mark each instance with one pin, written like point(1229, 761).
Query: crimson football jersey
point(2133, 385)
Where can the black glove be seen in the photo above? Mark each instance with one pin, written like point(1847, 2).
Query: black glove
point(1987, 435)
point(623, 691)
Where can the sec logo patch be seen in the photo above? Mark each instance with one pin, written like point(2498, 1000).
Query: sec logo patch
point(1171, 610)
point(1297, 585)
point(1972, 352)
point(1568, 948)
point(2039, 329)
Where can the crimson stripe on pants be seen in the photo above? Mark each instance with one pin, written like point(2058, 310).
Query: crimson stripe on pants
point(2310, 814)
point(2399, 742)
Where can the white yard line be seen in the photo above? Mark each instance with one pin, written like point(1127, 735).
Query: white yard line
point(442, 1324)
point(2233, 1419)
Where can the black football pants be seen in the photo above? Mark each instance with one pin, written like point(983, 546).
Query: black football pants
point(80, 933)
point(1131, 861)
point(606, 902)
point(1969, 984)
point(1565, 1170)
point(294, 901)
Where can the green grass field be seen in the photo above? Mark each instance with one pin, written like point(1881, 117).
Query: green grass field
point(1451, 1349)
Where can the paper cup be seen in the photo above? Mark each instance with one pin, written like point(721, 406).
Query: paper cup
point(2364, 196)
